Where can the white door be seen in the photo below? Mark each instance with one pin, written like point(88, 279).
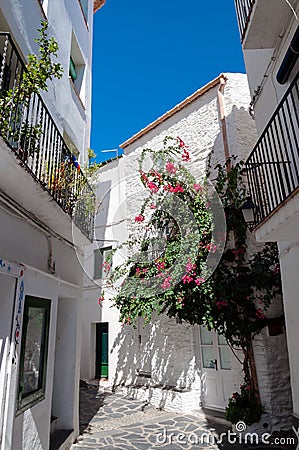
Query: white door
point(219, 380)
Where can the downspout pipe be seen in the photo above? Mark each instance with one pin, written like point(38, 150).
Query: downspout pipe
point(222, 84)
point(289, 60)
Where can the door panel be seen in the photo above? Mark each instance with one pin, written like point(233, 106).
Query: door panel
point(102, 368)
point(217, 374)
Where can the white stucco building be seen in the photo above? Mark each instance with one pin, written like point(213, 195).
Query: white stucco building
point(44, 225)
point(169, 356)
point(270, 40)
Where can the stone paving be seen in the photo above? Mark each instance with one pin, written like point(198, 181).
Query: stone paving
point(114, 421)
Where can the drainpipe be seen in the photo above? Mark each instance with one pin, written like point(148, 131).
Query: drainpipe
point(222, 83)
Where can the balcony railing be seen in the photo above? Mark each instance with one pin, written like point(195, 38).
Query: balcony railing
point(244, 9)
point(273, 165)
point(29, 130)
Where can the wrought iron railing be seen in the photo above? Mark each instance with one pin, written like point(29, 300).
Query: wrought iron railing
point(273, 165)
point(30, 131)
point(244, 9)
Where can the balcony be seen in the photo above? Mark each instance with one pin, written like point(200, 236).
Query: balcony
point(244, 10)
point(273, 165)
point(260, 21)
point(34, 140)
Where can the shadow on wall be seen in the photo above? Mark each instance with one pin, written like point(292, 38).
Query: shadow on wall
point(160, 355)
point(164, 351)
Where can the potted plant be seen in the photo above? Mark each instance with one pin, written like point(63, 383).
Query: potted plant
point(244, 406)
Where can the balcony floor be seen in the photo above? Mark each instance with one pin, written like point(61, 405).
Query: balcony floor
point(283, 223)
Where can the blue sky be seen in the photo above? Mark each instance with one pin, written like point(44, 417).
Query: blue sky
point(149, 56)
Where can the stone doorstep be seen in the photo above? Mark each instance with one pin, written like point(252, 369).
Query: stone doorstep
point(61, 439)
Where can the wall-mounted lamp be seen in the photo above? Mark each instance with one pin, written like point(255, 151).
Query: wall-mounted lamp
point(248, 212)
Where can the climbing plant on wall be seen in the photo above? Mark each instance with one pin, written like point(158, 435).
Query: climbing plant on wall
point(190, 258)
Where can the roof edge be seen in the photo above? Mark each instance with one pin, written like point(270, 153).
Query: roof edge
point(98, 5)
point(172, 111)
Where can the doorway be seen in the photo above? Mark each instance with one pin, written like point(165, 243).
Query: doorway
point(219, 378)
point(101, 369)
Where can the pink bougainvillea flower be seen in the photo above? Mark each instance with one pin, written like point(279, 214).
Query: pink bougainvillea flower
point(170, 168)
point(140, 218)
point(100, 300)
point(168, 187)
point(259, 314)
point(166, 283)
point(221, 304)
point(190, 266)
point(152, 186)
point(157, 175)
point(160, 265)
point(185, 156)
point(211, 247)
point(199, 281)
point(238, 251)
point(181, 142)
point(143, 176)
point(197, 187)
point(153, 206)
point(178, 188)
point(107, 266)
point(187, 279)
point(276, 269)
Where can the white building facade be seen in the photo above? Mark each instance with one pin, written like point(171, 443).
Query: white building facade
point(270, 40)
point(167, 356)
point(44, 225)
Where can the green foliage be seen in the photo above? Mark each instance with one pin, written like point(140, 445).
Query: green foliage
point(15, 103)
point(233, 299)
point(243, 407)
point(93, 166)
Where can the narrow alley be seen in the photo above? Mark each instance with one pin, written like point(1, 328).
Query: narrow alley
point(119, 422)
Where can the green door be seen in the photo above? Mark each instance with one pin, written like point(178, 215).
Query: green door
point(101, 350)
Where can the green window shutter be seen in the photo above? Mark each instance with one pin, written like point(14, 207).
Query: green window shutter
point(72, 71)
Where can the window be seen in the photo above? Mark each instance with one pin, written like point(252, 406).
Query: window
point(72, 71)
point(101, 256)
point(84, 7)
point(44, 5)
point(77, 70)
point(34, 352)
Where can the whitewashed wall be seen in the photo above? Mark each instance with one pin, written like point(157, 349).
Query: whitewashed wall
point(262, 66)
point(171, 351)
point(53, 267)
point(22, 18)
point(110, 230)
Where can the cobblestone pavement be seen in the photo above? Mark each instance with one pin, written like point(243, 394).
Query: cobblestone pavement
point(118, 422)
